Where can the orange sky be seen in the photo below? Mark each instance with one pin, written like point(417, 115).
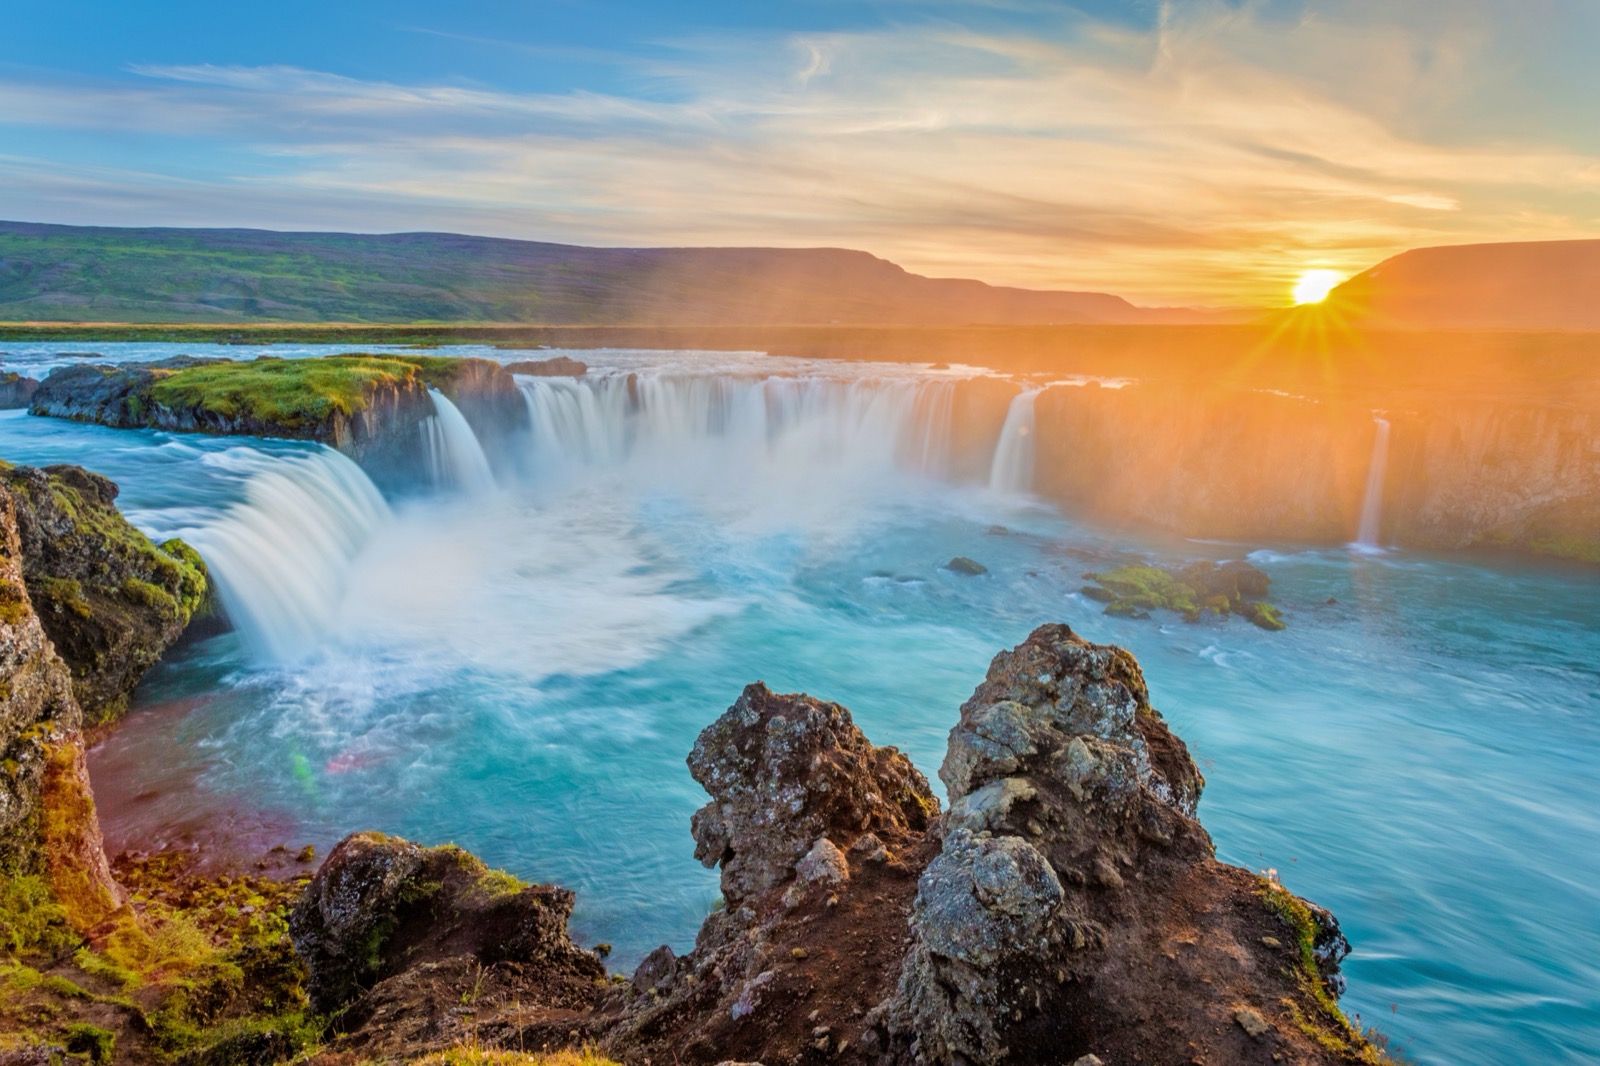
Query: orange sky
point(1192, 152)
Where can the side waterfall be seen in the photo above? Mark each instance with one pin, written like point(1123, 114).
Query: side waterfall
point(455, 456)
point(1012, 469)
point(1372, 502)
point(280, 556)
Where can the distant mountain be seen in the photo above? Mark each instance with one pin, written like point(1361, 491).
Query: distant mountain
point(95, 274)
point(1542, 285)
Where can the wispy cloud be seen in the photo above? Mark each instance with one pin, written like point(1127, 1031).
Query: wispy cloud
point(1206, 158)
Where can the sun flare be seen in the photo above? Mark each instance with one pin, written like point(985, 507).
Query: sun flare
point(1315, 285)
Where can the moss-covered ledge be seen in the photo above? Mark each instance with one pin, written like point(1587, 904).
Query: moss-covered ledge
point(110, 599)
point(366, 406)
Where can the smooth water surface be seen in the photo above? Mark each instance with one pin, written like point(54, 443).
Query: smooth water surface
point(522, 668)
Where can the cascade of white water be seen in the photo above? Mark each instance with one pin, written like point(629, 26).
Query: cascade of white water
point(1012, 469)
point(455, 456)
point(1372, 502)
point(280, 556)
point(774, 429)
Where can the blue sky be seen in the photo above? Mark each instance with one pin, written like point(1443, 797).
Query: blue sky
point(1183, 151)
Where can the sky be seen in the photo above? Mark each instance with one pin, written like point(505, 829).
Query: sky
point(1197, 152)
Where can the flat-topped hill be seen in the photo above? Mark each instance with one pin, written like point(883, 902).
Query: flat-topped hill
point(1528, 285)
point(72, 273)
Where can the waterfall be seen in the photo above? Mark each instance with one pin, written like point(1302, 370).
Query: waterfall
point(733, 430)
point(1372, 502)
point(280, 557)
point(455, 456)
point(1012, 469)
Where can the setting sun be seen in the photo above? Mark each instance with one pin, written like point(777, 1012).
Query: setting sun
point(1314, 286)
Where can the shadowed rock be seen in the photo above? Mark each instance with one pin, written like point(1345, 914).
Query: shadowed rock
point(380, 907)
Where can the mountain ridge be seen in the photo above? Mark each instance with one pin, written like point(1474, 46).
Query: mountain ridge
point(51, 272)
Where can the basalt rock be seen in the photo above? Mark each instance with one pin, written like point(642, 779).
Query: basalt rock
point(385, 921)
point(1076, 908)
point(16, 390)
point(820, 836)
point(111, 601)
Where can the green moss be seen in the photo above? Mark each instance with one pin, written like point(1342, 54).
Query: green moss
point(14, 603)
point(155, 597)
point(1570, 546)
point(31, 921)
point(1262, 614)
point(81, 1038)
point(297, 395)
point(1150, 588)
point(62, 594)
point(1326, 1024)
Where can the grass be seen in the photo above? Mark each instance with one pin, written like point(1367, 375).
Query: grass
point(195, 969)
point(301, 394)
point(1326, 1024)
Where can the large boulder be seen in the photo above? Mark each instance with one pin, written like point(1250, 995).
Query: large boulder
point(382, 910)
point(111, 600)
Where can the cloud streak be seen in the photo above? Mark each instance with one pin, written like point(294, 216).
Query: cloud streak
point(1206, 159)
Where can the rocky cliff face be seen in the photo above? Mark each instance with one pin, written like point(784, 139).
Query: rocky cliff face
point(110, 600)
point(1234, 463)
point(48, 827)
point(1066, 908)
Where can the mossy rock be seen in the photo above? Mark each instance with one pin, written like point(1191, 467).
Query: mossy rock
point(110, 600)
point(1197, 590)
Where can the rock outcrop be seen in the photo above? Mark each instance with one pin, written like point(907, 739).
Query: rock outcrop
point(386, 924)
point(48, 827)
point(111, 601)
point(1066, 907)
point(367, 406)
point(820, 836)
point(16, 390)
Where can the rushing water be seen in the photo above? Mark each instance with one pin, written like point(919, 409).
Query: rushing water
point(522, 668)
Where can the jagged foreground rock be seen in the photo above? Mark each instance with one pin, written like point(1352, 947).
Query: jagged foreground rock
point(1068, 904)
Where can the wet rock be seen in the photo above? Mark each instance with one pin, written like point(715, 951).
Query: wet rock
point(962, 565)
point(381, 906)
point(16, 390)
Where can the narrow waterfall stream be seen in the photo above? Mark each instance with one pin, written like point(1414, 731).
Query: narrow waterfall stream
point(455, 455)
point(1372, 499)
point(1012, 469)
